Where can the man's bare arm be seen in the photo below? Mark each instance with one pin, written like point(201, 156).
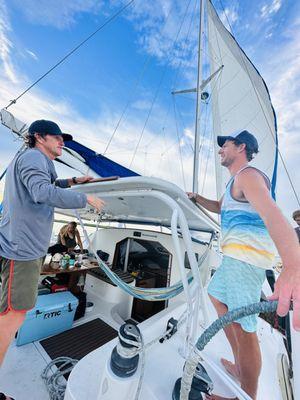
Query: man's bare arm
point(287, 287)
point(210, 205)
point(62, 239)
point(79, 240)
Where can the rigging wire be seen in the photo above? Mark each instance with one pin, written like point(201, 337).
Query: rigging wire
point(204, 149)
point(206, 154)
point(184, 46)
point(183, 128)
point(218, 181)
point(202, 142)
point(159, 86)
point(165, 149)
point(71, 52)
point(177, 110)
point(165, 142)
point(263, 111)
point(147, 118)
point(213, 89)
point(138, 81)
point(185, 43)
point(179, 147)
point(210, 139)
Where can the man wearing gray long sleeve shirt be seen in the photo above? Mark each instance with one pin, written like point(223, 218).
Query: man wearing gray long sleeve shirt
point(29, 200)
point(31, 193)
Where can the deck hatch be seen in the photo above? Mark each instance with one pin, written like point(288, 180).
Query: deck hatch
point(79, 341)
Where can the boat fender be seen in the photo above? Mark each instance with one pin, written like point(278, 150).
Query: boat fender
point(125, 358)
point(171, 329)
point(201, 384)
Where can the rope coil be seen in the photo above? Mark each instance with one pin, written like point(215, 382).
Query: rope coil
point(55, 382)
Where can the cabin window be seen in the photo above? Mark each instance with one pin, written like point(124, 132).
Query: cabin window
point(186, 260)
point(149, 262)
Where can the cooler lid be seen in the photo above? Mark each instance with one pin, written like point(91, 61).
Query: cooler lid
point(53, 301)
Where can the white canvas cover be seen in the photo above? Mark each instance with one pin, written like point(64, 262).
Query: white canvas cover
point(240, 99)
point(133, 200)
point(12, 123)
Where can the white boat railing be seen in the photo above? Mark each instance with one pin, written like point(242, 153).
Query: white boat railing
point(194, 292)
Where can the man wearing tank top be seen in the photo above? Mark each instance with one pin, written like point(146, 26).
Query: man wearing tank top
point(251, 223)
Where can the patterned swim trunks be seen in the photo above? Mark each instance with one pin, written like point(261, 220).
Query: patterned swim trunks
point(237, 284)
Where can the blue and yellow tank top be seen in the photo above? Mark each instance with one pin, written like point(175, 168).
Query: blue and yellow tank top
point(244, 234)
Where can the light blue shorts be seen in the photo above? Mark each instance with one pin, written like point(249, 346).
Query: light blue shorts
point(237, 284)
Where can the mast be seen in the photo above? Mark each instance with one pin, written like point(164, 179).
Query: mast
point(198, 102)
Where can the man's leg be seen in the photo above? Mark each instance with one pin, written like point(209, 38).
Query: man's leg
point(249, 359)
point(246, 352)
point(9, 324)
point(232, 368)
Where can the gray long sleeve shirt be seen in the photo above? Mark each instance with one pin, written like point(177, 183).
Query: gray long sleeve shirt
point(28, 205)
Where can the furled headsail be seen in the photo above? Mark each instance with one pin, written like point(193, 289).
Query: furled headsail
point(240, 98)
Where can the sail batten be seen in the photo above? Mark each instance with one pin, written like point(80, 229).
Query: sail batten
point(242, 100)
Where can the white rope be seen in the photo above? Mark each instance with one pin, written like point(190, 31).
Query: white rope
point(55, 381)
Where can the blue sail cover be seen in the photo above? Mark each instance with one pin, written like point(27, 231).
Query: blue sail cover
point(101, 165)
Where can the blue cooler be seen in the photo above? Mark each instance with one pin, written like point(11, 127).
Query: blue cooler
point(52, 314)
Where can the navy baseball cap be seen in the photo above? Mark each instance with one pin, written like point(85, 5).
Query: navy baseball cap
point(241, 137)
point(48, 128)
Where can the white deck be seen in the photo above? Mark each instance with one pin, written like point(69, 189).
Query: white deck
point(20, 374)
point(164, 364)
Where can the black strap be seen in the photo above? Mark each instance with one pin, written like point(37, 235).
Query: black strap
point(3, 397)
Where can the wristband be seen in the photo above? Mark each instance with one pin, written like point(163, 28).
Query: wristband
point(74, 180)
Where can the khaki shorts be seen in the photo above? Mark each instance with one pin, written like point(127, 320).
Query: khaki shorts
point(19, 284)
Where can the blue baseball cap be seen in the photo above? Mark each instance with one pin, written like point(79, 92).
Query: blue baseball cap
point(241, 137)
point(48, 128)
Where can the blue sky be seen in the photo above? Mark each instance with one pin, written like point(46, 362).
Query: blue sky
point(88, 93)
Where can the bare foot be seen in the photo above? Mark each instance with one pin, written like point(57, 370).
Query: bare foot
point(215, 397)
point(231, 368)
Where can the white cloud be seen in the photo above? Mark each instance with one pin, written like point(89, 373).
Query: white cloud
point(229, 16)
point(168, 30)
point(268, 10)
point(32, 54)
point(284, 81)
point(58, 13)
point(6, 45)
point(141, 105)
point(189, 134)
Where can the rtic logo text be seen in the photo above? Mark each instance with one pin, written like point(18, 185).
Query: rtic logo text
point(52, 314)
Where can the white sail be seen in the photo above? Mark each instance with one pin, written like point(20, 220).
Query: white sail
point(240, 98)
